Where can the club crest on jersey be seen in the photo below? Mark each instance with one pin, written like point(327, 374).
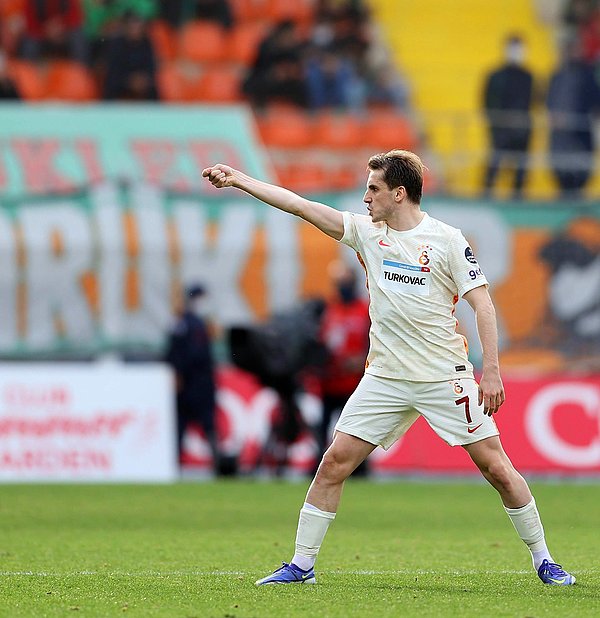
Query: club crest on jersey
point(458, 389)
point(424, 252)
point(404, 278)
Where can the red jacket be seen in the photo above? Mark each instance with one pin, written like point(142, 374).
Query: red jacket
point(345, 333)
point(39, 12)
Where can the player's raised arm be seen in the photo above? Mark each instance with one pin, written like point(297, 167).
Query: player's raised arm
point(324, 217)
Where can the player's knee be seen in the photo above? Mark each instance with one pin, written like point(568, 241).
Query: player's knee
point(501, 473)
point(335, 467)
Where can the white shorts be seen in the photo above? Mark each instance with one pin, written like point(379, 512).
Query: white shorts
point(381, 410)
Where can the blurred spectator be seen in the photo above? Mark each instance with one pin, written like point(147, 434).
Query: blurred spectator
point(189, 353)
point(329, 79)
point(345, 333)
point(8, 88)
point(362, 73)
point(277, 73)
point(385, 86)
point(12, 24)
point(347, 24)
point(589, 34)
point(54, 28)
point(131, 63)
point(177, 12)
point(577, 13)
point(102, 18)
point(573, 97)
point(507, 101)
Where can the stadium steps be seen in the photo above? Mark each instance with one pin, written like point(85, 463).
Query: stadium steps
point(445, 49)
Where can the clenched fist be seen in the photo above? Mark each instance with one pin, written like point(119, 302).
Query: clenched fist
point(219, 175)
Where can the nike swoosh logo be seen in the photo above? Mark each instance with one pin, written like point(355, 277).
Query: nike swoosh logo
point(305, 575)
point(474, 428)
point(384, 244)
point(558, 581)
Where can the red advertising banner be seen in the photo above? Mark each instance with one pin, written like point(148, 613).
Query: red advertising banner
point(548, 426)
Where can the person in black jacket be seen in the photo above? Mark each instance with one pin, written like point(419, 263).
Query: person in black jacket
point(189, 353)
point(278, 71)
point(131, 63)
point(8, 87)
point(573, 100)
point(507, 101)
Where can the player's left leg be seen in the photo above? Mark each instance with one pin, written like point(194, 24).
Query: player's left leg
point(495, 465)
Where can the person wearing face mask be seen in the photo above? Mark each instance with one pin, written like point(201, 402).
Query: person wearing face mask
point(507, 100)
point(189, 353)
point(345, 334)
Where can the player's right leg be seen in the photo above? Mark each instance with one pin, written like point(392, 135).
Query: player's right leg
point(339, 461)
point(377, 413)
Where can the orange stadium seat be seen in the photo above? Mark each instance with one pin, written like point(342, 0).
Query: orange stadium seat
point(243, 42)
point(171, 85)
point(338, 130)
point(342, 178)
point(302, 177)
point(163, 39)
point(220, 85)
point(70, 81)
point(386, 130)
point(298, 10)
point(202, 41)
point(28, 78)
point(247, 10)
point(286, 127)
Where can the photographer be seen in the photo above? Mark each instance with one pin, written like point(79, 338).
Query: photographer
point(277, 352)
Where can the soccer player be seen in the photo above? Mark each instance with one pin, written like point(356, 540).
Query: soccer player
point(417, 268)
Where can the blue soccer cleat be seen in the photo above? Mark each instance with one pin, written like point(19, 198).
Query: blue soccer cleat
point(289, 574)
point(553, 574)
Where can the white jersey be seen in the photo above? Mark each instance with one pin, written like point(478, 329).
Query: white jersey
point(415, 278)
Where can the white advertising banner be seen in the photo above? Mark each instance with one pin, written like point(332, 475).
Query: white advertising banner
point(87, 422)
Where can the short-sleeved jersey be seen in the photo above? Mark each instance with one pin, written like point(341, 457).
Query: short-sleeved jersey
point(415, 278)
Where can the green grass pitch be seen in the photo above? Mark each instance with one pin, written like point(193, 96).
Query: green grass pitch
point(397, 548)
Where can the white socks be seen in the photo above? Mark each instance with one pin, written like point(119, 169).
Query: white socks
point(528, 525)
point(312, 526)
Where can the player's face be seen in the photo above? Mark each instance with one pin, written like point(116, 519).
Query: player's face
point(379, 198)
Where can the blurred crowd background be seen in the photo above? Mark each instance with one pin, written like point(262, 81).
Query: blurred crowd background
point(315, 71)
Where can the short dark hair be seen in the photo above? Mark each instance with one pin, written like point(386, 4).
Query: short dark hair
point(401, 168)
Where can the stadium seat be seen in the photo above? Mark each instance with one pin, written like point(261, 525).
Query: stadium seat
point(220, 85)
point(385, 130)
point(302, 177)
point(70, 81)
point(171, 85)
point(298, 10)
point(201, 41)
point(286, 127)
point(242, 44)
point(163, 39)
point(28, 78)
point(342, 178)
point(338, 130)
point(248, 10)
